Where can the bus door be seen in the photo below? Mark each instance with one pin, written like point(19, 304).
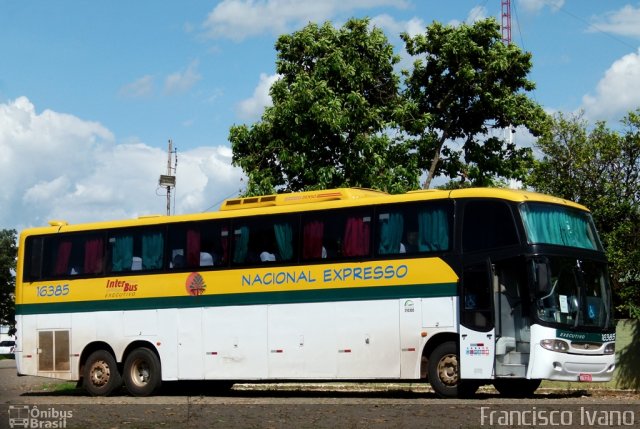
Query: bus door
point(512, 323)
point(477, 330)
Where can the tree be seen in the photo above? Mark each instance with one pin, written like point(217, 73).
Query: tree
point(8, 253)
point(332, 104)
point(464, 83)
point(599, 168)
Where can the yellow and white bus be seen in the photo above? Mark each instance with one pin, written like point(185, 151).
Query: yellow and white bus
point(460, 288)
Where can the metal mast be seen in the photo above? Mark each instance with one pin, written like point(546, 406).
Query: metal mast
point(168, 180)
point(506, 21)
point(506, 39)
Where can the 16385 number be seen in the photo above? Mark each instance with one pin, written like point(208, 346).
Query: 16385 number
point(52, 290)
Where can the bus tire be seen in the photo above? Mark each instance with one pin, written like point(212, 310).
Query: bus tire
point(444, 370)
point(516, 388)
point(142, 374)
point(100, 375)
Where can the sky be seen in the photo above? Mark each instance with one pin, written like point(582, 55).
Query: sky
point(91, 92)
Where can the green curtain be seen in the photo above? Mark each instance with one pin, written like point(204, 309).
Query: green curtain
point(152, 249)
point(284, 239)
point(433, 230)
point(391, 228)
point(122, 255)
point(557, 225)
point(241, 248)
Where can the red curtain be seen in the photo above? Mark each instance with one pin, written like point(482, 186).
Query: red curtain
point(62, 258)
point(93, 252)
point(356, 237)
point(313, 233)
point(193, 248)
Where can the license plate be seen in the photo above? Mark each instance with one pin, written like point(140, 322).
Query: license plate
point(585, 377)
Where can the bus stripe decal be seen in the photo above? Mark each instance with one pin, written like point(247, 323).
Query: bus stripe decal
point(261, 298)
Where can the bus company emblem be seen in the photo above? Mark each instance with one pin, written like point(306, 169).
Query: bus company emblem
point(195, 284)
point(409, 306)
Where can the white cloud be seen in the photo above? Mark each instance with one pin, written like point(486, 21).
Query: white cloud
point(625, 22)
point(252, 108)
point(476, 14)
point(58, 166)
point(618, 92)
point(392, 27)
point(239, 19)
point(538, 5)
point(142, 87)
point(182, 81)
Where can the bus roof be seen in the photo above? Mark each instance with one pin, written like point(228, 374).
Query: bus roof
point(312, 200)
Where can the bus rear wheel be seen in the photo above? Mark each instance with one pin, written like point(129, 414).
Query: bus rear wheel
point(100, 375)
point(142, 375)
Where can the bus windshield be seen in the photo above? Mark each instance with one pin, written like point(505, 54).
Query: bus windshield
point(558, 225)
point(572, 293)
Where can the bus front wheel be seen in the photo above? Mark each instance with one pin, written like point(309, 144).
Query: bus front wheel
point(444, 370)
point(142, 375)
point(100, 376)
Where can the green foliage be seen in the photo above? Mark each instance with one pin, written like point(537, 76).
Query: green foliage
point(464, 83)
point(331, 106)
point(339, 117)
point(8, 253)
point(600, 168)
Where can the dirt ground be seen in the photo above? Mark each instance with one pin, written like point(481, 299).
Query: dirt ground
point(334, 405)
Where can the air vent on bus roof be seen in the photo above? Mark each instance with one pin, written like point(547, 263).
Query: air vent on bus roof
point(300, 198)
point(58, 223)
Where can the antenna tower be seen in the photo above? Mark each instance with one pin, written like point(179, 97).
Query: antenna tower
point(506, 39)
point(168, 180)
point(506, 22)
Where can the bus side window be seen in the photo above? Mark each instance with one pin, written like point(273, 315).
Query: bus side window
point(312, 240)
point(121, 253)
point(390, 233)
point(198, 245)
point(141, 249)
point(413, 228)
point(487, 225)
point(34, 252)
point(265, 239)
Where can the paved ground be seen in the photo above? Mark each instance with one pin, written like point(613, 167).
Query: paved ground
point(304, 406)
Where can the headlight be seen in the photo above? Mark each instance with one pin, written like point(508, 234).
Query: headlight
point(610, 349)
point(555, 345)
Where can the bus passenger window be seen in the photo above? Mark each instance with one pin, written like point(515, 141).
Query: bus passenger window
point(152, 250)
point(198, 245)
point(413, 228)
point(137, 250)
point(487, 225)
point(312, 240)
point(121, 253)
point(357, 234)
point(391, 230)
point(240, 245)
point(336, 234)
point(93, 255)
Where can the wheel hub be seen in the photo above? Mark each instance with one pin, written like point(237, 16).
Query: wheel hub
point(100, 373)
point(448, 369)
